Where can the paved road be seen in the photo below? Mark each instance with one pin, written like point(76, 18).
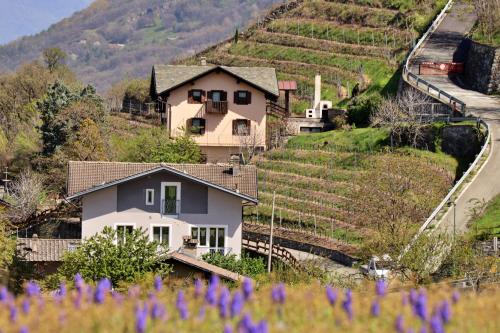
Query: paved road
point(330, 266)
point(445, 45)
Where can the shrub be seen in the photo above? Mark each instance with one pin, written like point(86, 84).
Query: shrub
point(246, 265)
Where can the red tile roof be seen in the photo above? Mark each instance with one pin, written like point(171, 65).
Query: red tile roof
point(287, 85)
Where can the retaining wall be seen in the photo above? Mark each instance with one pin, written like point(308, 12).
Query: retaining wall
point(482, 68)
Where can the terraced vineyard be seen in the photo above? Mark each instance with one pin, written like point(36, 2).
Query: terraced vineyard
point(350, 42)
point(321, 186)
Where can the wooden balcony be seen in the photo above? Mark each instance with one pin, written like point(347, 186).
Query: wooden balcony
point(216, 107)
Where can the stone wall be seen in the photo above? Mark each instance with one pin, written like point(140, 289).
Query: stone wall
point(482, 68)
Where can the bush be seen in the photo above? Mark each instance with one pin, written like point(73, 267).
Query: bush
point(246, 265)
point(103, 256)
point(360, 109)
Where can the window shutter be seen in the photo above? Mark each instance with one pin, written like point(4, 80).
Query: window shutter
point(249, 97)
point(209, 95)
point(235, 126)
point(203, 96)
point(236, 99)
point(223, 96)
point(189, 125)
point(249, 123)
point(202, 122)
point(190, 97)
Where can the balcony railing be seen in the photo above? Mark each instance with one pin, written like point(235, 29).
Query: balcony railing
point(170, 207)
point(216, 107)
point(213, 250)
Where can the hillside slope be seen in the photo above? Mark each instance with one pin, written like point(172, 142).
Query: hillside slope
point(350, 42)
point(112, 39)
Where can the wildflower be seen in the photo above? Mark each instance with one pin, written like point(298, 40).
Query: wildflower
point(381, 287)
point(413, 296)
point(201, 313)
point(211, 294)
point(62, 289)
point(157, 311)
point(237, 304)
point(247, 287)
point(158, 283)
point(228, 329)
point(100, 291)
point(198, 286)
point(347, 304)
point(181, 305)
point(445, 312)
point(399, 324)
point(12, 313)
point(436, 324)
point(262, 327)
point(4, 294)
point(420, 306)
point(24, 329)
point(423, 329)
point(331, 294)
point(26, 306)
point(79, 283)
point(224, 299)
point(214, 281)
point(278, 294)
point(141, 319)
point(375, 309)
point(245, 324)
point(455, 297)
point(32, 289)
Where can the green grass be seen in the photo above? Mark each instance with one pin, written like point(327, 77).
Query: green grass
point(489, 222)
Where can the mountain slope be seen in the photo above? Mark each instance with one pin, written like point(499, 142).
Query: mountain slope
point(27, 17)
point(112, 39)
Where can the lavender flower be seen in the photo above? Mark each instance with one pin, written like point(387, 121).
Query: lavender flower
point(245, 325)
point(12, 313)
point(247, 287)
point(211, 294)
point(381, 288)
point(103, 286)
point(436, 324)
point(399, 324)
point(4, 294)
point(158, 283)
point(24, 329)
point(198, 286)
point(26, 306)
point(423, 329)
point(158, 311)
point(228, 329)
point(420, 306)
point(214, 281)
point(261, 327)
point(201, 313)
point(445, 312)
point(278, 294)
point(224, 300)
point(455, 297)
point(32, 289)
point(331, 294)
point(375, 309)
point(182, 306)
point(62, 289)
point(413, 296)
point(237, 304)
point(141, 319)
point(347, 304)
point(79, 283)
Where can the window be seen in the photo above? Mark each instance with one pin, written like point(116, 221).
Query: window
point(160, 234)
point(150, 197)
point(217, 96)
point(213, 237)
point(241, 127)
point(242, 97)
point(196, 125)
point(310, 129)
point(122, 230)
point(195, 96)
point(170, 198)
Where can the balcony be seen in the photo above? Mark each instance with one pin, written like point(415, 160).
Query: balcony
point(170, 207)
point(216, 107)
point(213, 250)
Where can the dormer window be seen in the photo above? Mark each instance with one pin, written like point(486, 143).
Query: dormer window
point(196, 96)
point(242, 97)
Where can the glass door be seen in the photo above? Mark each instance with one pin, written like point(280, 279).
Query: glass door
point(170, 204)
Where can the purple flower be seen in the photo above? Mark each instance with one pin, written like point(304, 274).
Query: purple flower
point(455, 297)
point(413, 296)
point(12, 313)
point(381, 287)
point(181, 305)
point(410, 330)
point(228, 329)
point(262, 327)
point(331, 294)
point(436, 324)
point(141, 319)
point(423, 329)
point(103, 286)
point(62, 289)
point(158, 283)
point(246, 325)
point(26, 306)
point(201, 313)
point(347, 304)
point(32, 289)
point(224, 299)
point(247, 287)
point(198, 286)
point(214, 281)
point(399, 324)
point(237, 304)
point(158, 311)
point(24, 329)
point(4, 294)
point(278, 294)
point(79, 283)
point(211, 294)
point(445, 312)
point(375, 309)
point(420, 306)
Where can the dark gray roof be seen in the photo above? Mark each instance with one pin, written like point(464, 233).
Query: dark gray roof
point(37, 249)
point(169, 77)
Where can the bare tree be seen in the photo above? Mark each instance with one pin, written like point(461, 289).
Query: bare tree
point(250, 142)
point(26, 194)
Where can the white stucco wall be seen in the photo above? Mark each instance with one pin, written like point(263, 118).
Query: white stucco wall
point(99, 210)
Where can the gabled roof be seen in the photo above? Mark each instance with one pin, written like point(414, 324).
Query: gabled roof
point(37, 249)
point(87, 177)
point(169, 77)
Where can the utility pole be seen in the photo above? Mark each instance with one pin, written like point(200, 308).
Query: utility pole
point(271, 237)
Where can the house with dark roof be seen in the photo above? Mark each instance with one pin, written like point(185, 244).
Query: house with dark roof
point(223, 107)
point(191, 208)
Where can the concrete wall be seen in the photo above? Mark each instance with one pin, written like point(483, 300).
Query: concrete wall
point(218, 127)
point(482, 68)
point(99, 209)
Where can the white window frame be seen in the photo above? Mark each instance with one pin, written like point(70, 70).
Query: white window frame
point(152, 202)
point(120, 224)
point(169, 226)
point(178, 196)
point(208, 226)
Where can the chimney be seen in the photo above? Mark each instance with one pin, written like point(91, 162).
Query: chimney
point(235, 161)
point(34, 243)
point(317, 92)
point(203, 61)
